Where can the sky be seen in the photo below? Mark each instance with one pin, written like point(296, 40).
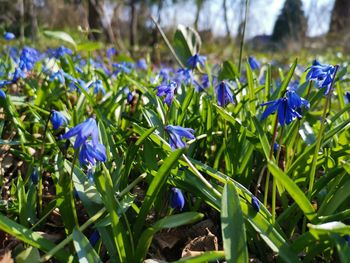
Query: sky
point(261, 18)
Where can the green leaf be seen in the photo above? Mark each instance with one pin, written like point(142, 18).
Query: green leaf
point(330, 227)
point(210, 256)
point(154, 188)
point(85, 251)
point(251, 89)
point(61, 36)
point(295, 192)
point(187, 42)
point(228, 71)
point(166, 222)
point(232, 226)
point(31, 255)
point(32, 238)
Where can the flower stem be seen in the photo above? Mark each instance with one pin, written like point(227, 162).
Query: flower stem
point(320, 137)
point(274, 135)
point(200, 176)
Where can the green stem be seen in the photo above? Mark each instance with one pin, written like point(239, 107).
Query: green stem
point(200, 176)
point(320, 137)
point(274, 188)
point(66, 241)
point(243, 33)
point(274, 135)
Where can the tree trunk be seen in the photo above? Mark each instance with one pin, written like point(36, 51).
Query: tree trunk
point(340, 20)
point(133, 24)
point(33, 20)
point(94, 17)
point(199, 4)
point(228, 32)
point(21, 14)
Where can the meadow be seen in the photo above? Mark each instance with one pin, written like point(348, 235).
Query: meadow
point(106, 158)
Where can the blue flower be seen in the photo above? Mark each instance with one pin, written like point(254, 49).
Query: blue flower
point(9, 36)
point(142, 64)
point(98, 86)
point(255, 204)
point(254, 64)
point(28, 58)
point(224, 94)
point(167, 90)
point(78, 84)
point(177, 200)
point(129, 96)
point(2, 94)
point(83, 131)
point(347, 238)
point(35, 176)
point(95, 236)
point(59, 76)
point(322, 75)
point(205, 81)
point(58, 119)
point(288, 108)
point(347, 96)
point(4, 82)
point(194, 60)
point(124, 67)
point(59, 52)
point(175, 136)
point(183, 76)
point(111, 52)
point(18, 74)
point(90, 152)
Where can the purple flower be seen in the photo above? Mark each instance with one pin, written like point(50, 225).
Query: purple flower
point(58, 119)
point(9, 36)
point(176, 134)
point(59, 52)
point(255, 204)
point(177, 200)
point(322, 74)
point(124, 67)
point(194, 60)
point(90, 153)
point(111, 52)
point(83, 131)
point(224, 94)
point(167, 90)
point(98, 86)
point(254, 64)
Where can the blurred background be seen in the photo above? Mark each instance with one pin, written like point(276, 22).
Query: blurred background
point(272, 25)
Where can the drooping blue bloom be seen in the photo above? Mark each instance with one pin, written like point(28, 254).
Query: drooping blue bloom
point(90, 175)
point(95, 236)
point(2, 94)
point(111, 52)
point(275, 147)
point(224, 94)
point(90, 153)
point(78, 84)
point(9, 36)
point(18, 74)
point(123, 67)
point(176, 134)
point(255, 204)
point(177, 200)
point(205, 81)
point(29, 56)
point(288, 108)
point(167, 90)
point(183, 76)
point(164, 75)
point(347, 238)
point(194, 60)
point(142, 64)
point(254, 64)
point(347, 96)
point(58, 75)
point(58, 119)
point(129, 96)
point(83, 131)
point(98, 86)
point(322, 74)
point(35, 176)
point(4, 82)
point(59, 52)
